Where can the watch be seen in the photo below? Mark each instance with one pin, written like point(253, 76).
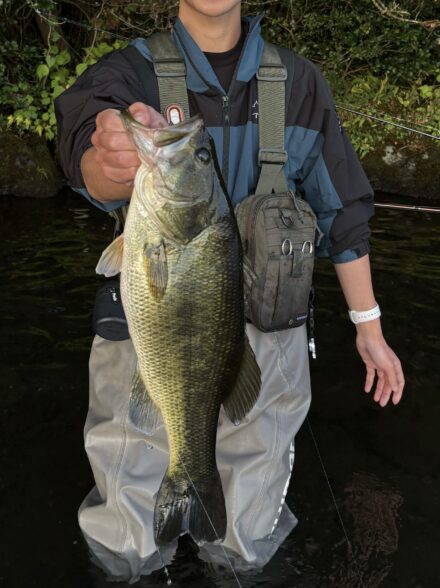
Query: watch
point(364, 315)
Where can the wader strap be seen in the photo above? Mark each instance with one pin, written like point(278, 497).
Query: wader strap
point(170, 71)
point(272, 156)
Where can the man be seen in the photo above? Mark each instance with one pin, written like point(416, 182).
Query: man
point(222, 53)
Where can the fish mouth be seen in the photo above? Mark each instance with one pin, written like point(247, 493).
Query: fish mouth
point(146, 138)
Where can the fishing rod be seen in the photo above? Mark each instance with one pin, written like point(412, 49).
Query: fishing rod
point(411, 207)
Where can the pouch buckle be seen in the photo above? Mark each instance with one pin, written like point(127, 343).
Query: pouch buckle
point(272, 156)
point(271, 72)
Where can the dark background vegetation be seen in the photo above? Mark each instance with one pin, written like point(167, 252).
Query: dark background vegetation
point(380, 57)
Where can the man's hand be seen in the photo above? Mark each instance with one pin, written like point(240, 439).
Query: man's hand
point(380, 360)
point(355, 279)
point(110, 166)
point(115, 150)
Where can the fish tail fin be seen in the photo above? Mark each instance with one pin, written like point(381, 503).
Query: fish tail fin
point(181, 507)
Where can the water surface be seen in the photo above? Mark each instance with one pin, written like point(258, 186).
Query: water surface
point(378, 526)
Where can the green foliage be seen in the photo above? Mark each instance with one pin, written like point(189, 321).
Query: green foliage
point(33, 102)
point(377, 65)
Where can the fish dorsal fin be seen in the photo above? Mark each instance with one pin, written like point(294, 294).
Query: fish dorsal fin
point(110, 262)
point(144, 414)
point(246, 388)
point(157, 268)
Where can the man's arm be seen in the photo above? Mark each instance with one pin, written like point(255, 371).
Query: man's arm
point(379, 358)
point(109, 167)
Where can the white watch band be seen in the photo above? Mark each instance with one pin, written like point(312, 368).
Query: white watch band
point(365, 315)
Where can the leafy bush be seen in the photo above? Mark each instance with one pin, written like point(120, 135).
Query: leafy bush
point(375, 64)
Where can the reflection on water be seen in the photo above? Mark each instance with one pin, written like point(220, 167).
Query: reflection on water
point(383, 465)
point(372, 509)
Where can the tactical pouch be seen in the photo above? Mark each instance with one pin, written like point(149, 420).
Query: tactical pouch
point(109, 320)
point(279, 233)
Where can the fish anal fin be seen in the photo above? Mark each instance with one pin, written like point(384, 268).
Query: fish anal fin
point(110, 262)
point(143, 413)
point(157, 268)
point(246, 388)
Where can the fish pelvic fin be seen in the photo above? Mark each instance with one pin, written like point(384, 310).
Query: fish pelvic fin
point(246, 388)
point(157, 269)
point(143, 413)
point(198, 510)
point(110, 262)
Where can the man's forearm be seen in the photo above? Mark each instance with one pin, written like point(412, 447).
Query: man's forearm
point(355, 279)
point(98, 186)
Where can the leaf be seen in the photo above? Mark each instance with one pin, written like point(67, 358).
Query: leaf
point(50, 61)
point(81, 68)
point(42, 71)
point(63, 58)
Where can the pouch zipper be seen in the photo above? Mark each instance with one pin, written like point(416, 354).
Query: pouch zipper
point(252, 222)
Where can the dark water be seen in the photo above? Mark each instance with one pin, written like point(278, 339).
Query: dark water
point(382, 464)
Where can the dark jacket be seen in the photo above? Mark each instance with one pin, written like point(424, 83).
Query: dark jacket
point(321, 164)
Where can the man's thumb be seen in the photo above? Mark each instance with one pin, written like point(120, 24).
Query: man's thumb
point(141, 113)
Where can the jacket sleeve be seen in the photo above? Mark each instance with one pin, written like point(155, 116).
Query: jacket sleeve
point(110, 83)
point(331, 178)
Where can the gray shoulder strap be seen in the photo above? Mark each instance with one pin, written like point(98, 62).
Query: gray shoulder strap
point(169, 67)
point(272, 156)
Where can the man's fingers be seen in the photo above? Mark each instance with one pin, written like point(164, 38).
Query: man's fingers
point(385, 396)
point(118, 159)
point(369, 380)
point(147, 115)
point(109, 120)
point(112, 140)
point(379, 386)
point(120, 176)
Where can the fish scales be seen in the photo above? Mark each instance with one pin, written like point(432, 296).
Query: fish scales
point(188, 343)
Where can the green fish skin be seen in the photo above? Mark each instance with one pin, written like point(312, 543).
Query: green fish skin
point(182, 291)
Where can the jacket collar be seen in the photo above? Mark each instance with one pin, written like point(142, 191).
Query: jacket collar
point(200, 75)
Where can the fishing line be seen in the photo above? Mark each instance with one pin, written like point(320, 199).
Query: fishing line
point(387, 122)
point(212, 525)
point(350, 546)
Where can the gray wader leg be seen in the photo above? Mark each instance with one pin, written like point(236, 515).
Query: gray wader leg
point(116, 517)
point(254, 459)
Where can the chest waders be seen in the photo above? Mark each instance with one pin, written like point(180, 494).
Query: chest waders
point(255, 459)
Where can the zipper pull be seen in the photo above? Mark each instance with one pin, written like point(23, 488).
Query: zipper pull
point(225, 107)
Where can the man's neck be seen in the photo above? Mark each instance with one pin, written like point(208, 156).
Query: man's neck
point(214, 34)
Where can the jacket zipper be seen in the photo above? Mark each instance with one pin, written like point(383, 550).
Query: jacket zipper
point(226, 137)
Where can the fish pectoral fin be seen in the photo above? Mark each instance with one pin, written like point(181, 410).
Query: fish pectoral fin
point(247, 386)
point(143, 413)
point(157, 268)
point(110, 262)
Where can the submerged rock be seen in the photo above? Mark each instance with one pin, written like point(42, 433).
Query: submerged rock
point(405, 169)
point(27, 167)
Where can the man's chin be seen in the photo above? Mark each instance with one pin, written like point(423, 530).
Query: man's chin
point(212, 8)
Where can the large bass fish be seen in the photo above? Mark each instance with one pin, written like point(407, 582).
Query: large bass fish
point(180, 260)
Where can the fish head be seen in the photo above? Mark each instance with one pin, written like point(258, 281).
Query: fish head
point(178, 189)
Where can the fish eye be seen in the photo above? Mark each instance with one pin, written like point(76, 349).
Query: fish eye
point(203, 155)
